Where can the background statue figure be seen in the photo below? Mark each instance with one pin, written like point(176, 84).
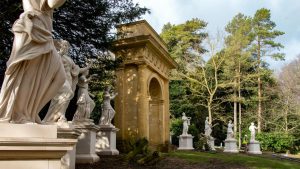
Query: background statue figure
point(252, 129)
point(108, 112)
point(207, 128)
point(85, 104)
point(229, 130)
point(34, 71)
point(60, 102)
point(186, 123)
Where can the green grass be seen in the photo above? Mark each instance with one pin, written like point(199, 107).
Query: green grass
point(253, 162)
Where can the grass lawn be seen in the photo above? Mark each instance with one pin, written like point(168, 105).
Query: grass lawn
point(249, 161)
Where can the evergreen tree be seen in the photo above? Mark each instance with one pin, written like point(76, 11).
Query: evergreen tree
point(238, 63)
point(264, 45)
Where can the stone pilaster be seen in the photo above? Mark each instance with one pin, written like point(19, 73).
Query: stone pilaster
point(143, 103)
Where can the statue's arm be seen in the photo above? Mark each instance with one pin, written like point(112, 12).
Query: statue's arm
point(91, 94)
point(113, 96)
point(55, 3)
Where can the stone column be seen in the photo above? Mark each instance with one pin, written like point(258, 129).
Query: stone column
point(166, 111)
point(143, 103)
point(119, 104)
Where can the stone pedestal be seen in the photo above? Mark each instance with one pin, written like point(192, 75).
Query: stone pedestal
point(106, 140)
point(85, 149)
point(186, 142)
point(69, 132)
point(230, 146)
point(32, 146)
point(254, 147)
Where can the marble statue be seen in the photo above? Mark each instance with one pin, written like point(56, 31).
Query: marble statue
point(185, 139)
point(186, 123)
point(252, 129)
point(59, 104)
point(229, 130)
point(207, 128)
point(34, 71)
point(108, 112)
point(230, 142)
point(85, 104)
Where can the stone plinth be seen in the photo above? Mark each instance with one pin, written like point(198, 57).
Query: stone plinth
point(230, 146)
point(32, 146)
point(254, 147)
point(86, 149)
point(186, 142)
point(68, 160)
point(106, 140)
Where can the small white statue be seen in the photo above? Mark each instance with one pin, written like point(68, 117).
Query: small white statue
point(85, 104)
point(186, 123)
point(207, 129)
point(229, 130)
point(108, 112)
point(252, 129)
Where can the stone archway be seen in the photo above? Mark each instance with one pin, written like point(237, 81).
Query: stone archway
point(142, 103)
point(156, 112)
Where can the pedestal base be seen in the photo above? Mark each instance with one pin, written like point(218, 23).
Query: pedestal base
point(254, 147)
point(32, 146)
point(106, 140)
point(230, 146)
point(186, 142)
point(85, 149)
point(211, 143)
point(68, 160)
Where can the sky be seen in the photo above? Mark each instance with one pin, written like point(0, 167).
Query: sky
point(285, 13)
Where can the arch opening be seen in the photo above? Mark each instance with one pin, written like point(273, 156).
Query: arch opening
point(155, 112)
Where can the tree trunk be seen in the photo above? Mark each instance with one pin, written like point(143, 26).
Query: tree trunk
point(259, 90)
point(235, 104)
point(240, 106)
point(209, 113)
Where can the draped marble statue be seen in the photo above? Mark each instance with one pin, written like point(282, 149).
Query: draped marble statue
point(252, 129)
point(59, 104)
point(229, 130)
point(108, 113)
point(186, 122)
point(85, 103)
point(34, 71)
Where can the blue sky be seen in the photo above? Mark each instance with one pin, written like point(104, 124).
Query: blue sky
point(285, 13)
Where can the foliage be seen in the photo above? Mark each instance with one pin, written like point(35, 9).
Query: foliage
point(232, 77)
point(202, 143)
point(139, 152)
point(276, 142)
point(184, 40)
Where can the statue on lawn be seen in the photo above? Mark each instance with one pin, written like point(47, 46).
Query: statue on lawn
point(186, 123)
point(252, 129)
point(230, 134)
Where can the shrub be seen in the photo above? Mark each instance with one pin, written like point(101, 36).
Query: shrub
point(277, 142)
